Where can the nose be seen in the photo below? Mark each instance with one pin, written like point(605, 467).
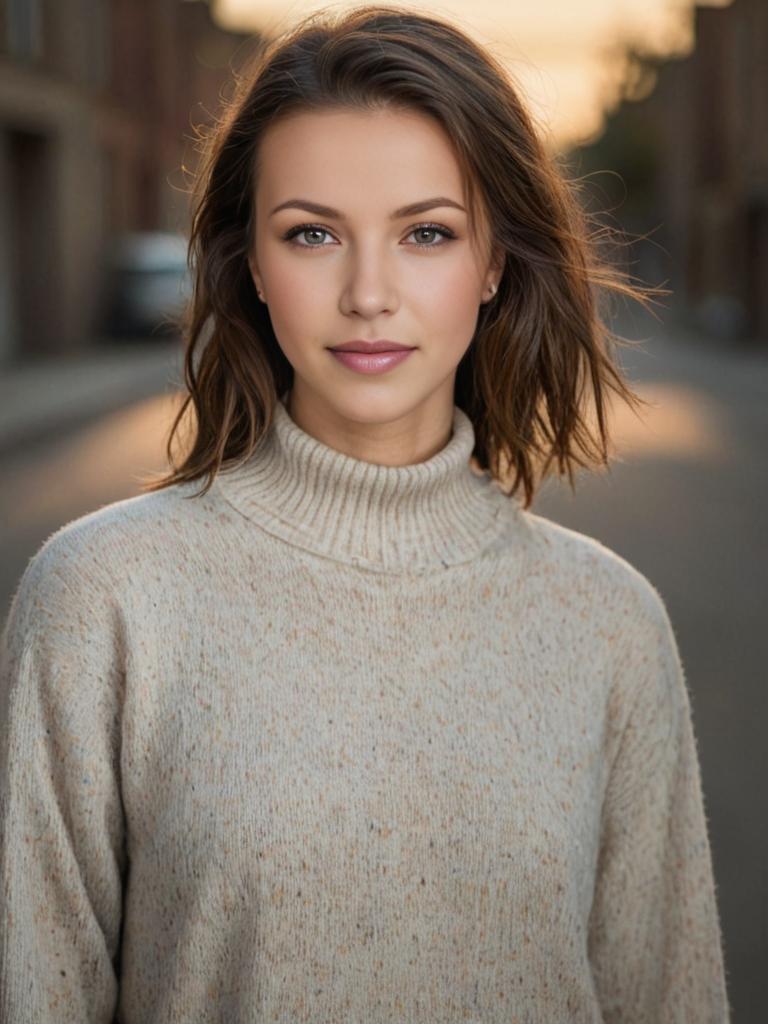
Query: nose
point(369, 287)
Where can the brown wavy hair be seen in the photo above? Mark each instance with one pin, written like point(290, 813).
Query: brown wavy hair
point(542, 350)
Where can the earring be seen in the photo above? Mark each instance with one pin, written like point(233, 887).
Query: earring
point(492, 289)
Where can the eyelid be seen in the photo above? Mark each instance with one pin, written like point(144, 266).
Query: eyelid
point(448, 233)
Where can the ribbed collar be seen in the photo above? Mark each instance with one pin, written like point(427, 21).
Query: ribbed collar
point(435, 513)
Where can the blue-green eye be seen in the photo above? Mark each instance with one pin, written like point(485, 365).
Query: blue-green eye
point(303, 229)
point(446, 234)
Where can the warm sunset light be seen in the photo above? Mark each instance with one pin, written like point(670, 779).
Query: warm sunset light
point(565, 56)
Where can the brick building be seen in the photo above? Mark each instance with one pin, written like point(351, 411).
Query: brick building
point(97, 98)
point(693, 155)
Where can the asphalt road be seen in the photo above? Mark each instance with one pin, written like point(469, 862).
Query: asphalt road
point(685, 502)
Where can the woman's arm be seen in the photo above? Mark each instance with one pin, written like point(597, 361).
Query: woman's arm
point(61, 821)
point(654, 936)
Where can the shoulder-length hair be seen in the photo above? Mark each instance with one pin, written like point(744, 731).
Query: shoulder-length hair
point(542, 350)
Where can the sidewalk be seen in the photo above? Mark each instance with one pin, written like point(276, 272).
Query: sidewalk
point(51, 393)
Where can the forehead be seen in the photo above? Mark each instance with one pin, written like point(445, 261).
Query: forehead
point(340, 157)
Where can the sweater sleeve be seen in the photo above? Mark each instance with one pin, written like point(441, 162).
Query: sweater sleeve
point(654, 935)
point(61, 820)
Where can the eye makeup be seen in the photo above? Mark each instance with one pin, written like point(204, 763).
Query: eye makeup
point(440, 229)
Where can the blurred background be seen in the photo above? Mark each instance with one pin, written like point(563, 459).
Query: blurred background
point(660, 106)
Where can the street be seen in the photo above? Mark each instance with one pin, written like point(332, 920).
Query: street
point(685, 504)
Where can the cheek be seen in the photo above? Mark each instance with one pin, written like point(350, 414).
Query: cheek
point(298, 309)
point(453, 293)
point(449, 305)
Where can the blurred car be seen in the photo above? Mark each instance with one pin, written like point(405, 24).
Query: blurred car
point(146, 284)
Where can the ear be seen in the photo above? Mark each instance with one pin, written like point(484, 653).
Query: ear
point(253, 267)
point(498, 260)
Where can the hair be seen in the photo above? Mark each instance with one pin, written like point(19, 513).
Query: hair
point(542, 350)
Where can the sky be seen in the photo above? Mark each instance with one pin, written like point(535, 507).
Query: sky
point(564, 55)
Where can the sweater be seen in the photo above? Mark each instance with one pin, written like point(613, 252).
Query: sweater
point(347, 743)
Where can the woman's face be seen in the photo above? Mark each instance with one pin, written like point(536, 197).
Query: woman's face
point(364, 268)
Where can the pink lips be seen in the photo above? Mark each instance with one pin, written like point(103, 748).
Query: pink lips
point(371, 362)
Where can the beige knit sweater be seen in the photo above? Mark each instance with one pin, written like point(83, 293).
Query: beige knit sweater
point(347, 744)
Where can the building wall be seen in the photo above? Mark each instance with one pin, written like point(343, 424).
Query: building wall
point(726, 258)
point(706, 194)
point(95, 101)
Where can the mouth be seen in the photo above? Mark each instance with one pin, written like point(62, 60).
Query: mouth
point(371, 362)
point(370, 347)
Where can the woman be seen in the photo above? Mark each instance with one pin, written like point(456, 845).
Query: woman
point(348, 733)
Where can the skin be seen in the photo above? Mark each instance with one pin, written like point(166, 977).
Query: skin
point(366, 276)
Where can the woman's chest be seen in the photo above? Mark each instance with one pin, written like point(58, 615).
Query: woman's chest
point(408, 741)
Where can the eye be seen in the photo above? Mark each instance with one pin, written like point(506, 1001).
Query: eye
point(430, 229)
point(446, 234)
point(301, 229)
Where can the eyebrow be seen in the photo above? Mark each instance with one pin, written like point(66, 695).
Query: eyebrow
point(405, 211)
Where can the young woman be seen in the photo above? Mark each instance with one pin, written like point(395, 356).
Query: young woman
point(327, 725)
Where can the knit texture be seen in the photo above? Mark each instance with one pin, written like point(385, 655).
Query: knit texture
point(347, 744)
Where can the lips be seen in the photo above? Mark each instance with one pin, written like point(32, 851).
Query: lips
point(371, 362)
point(368, 347)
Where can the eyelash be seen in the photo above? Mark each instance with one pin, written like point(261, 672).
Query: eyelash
point(447, 234)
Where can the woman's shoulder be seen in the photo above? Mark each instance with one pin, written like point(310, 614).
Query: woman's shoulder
point(578, 564)
point(143, 518)
point(87, 559)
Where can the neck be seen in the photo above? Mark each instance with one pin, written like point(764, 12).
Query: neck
point(412, 439)
point(427, 515)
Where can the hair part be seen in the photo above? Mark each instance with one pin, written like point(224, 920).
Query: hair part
point(542, 361)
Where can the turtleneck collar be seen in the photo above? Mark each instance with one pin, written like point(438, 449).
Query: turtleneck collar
point(435, 513)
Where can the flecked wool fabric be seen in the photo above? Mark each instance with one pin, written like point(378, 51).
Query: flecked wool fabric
point(347, 744)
